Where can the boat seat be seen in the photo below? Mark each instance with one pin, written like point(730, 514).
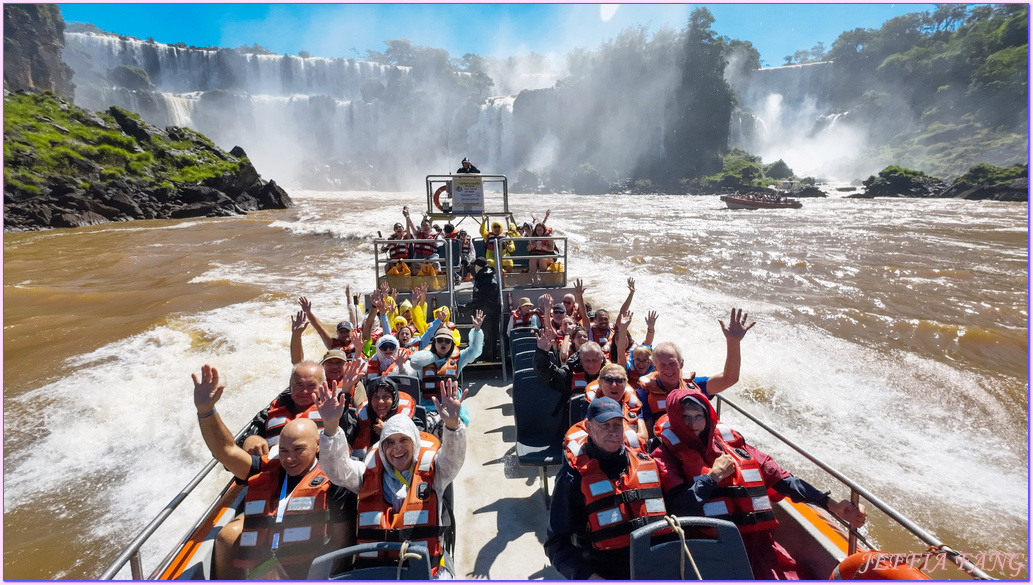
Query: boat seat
point(539, 425)
point(411, 385)
point(523, 360)
point(413, 570)
point(578, 410)
point(523, 333)
point(722, 558)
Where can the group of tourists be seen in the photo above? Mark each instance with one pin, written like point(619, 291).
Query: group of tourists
point(650, 444)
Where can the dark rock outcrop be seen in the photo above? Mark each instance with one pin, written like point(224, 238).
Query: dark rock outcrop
point(33, 39)
point(113, 166)
point(1018, 190)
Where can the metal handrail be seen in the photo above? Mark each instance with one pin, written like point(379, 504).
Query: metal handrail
point(131, 553)
point(857, 490)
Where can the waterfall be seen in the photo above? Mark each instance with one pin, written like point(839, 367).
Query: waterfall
point(490, 138)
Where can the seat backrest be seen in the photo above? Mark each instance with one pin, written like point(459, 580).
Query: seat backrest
point(414, 570)
point(578, 409)
point(534, 411)
point(410, 385)
point(520, 333)
point(523, 360)
point(721, 558)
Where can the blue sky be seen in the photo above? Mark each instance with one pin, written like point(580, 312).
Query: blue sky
point(500, 30)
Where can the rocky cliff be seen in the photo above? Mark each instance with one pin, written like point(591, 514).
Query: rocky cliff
point(67, 167)
point(33, 40)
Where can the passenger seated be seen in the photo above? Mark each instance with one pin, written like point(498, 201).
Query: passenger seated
point(424, 250)
point(613, 383)
point(667, 359)
point(293, 403)
point(398, 250)
point(342, 340)
point(385, 401)
point(389, 360)
point(571, 378)
point(493, 238)
point(542, 247)
point(401, 483)
point(523, 316)
point(707, 469)
point(444, 361)
point(262, 544)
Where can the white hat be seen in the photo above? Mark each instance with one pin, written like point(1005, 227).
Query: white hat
point(400, 425)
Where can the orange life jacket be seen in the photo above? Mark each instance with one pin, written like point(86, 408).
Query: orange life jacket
point(577, 435)
point(279, 415)
point(297, 535)
point(373, 367)
point(417, 520)
point(346, 346)
point(579, 381)
point(629, 401)
point(405, 407)
point(432, 373)
point(657, 396)
point(742, 497)
point(424, 249)
point(519, 321)
point(616, 508)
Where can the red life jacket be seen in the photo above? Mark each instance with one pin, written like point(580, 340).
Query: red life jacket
point(406, 407)
point(417, 520)
point(577, 435)
point(300, 534)
point(616, 508)
point(432, 373)
point(424, 249)
point(373, 367)
point(519, 321)
point(742, 497)
point(346, 346)
point(279, 415)
point(399, 249)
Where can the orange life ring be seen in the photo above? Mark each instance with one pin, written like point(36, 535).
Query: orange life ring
point(876, 566)
point(437, 196)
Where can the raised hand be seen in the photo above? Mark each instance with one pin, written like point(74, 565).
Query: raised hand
point(546, 337)
point(355, 337)
point(625, 322)
point(548, 303)
point(737, 327)
point(405, 211)
point(579, 288)
point(400, 357)
point(477, 319)
point(440, 314)
point(306, 305)
point(207, 390)
point(354, 371)
point(331, 405)
point(631, 285)
point(451, 400)
point(651, 319)
point(299, 323)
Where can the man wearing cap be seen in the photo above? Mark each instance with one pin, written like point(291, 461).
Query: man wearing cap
point(467, 167)
point(292, 514)
point(523, 316)
point(603, 492)
point(443, 361)
point(341, 341)
point(402, 482)
point(293, 403)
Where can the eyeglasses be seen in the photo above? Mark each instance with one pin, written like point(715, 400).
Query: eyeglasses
point(612, 379)
point(443, 340)
point(387, 347)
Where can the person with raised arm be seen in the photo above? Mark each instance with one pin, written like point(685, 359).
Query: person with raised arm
point(292, 514)
point(402, 481)
point(444, 361)
point(467, 167)
point(342, 340)
point(668, 361)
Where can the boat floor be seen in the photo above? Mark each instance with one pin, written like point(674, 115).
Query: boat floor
point(500, 510)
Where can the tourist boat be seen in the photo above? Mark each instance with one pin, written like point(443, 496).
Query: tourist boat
point(508, 394)
point(760, 201)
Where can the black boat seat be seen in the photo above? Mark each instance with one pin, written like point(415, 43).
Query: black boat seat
point(539, 425)
point(413, 570)
point(723, 558)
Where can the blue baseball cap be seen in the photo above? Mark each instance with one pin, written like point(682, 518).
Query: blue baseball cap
point(604, 409)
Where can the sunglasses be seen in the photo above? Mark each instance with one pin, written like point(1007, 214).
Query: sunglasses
point(612, 379)
point(442, 340)
point(388, 347)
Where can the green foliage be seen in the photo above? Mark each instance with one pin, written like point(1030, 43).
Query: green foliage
point(984, 174)
point(254, 49)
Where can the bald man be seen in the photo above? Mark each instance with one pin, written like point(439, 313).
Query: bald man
point(292, 513)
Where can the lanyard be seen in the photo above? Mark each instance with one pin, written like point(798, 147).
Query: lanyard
point(401, 477)
point(281, 507)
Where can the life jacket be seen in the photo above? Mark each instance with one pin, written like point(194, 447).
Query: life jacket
point(297, 535)
point(616, 508)
point(742, 497)
point(519, 321)
point(346, 346)
point(417, 520)
point(578, 382)
point(398, 250)
point(432, 373)
point(405, 407)
point(598, 337)
point(424, 249)
point(467, 246)
point(279, 415)
point(373, 367)
point(629, 402)
point(574, 440)
point(657, 394)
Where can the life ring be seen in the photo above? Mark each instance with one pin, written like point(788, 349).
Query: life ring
point(876, 566)
point(437, 198)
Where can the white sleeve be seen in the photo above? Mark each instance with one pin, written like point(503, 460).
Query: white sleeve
point(450, 457)
point(336, 462)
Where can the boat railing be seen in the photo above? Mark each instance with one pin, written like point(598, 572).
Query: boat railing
point(440, 184)
point(444, 280)
point(131, 553)
point(544, 277)
point(856, 492)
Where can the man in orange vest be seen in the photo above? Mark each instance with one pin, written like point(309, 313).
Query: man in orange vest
point(292, 513)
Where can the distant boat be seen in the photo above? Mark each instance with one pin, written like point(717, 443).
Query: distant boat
point(760, 201)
